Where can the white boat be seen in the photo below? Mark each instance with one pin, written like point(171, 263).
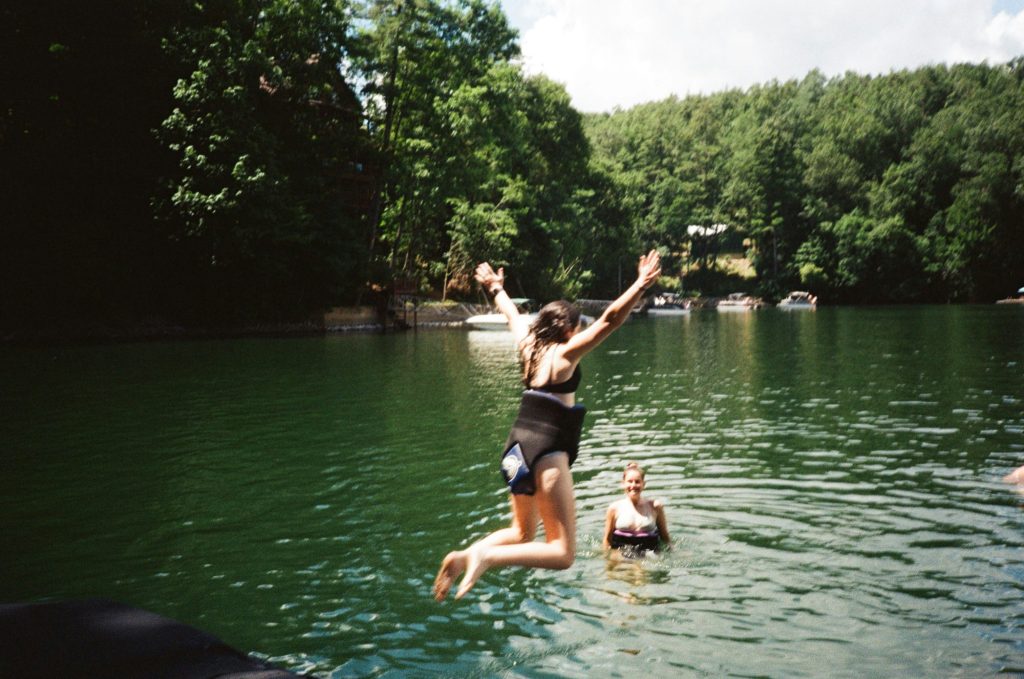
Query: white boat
point(667, 310)
point(498, 322)
point(738, 301)
point(493, 321)
point(799, 300)
point(667, 305)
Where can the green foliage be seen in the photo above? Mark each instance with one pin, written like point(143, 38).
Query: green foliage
point(231, 161)
point(899, 188)
point(268, 135)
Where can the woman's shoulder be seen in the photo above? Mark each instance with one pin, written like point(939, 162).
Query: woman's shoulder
point(656, 504)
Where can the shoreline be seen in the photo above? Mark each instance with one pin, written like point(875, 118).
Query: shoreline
point(335, 321)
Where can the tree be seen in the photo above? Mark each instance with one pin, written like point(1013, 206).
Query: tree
point(411, 57)
point(266, 204)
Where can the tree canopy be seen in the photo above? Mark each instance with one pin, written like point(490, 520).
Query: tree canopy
point(899, 188)
point(237, 161)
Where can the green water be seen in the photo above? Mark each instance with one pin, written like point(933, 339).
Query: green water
point(831, 480)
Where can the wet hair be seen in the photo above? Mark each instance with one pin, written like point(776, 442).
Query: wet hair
point(634, 465)
point(552, 326)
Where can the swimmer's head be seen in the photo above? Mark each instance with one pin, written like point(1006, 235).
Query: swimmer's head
point(633, 466)
point(633, 480)
point(556, 322)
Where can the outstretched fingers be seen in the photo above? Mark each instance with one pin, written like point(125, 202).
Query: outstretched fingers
point(650, 266)
point(483, 273)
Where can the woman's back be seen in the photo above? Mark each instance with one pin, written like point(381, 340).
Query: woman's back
point(556, 375)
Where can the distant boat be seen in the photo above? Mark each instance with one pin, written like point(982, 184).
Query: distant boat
point(799, 300)
point(498, 322)
point(739, 301)
point(667, 305)
point(493, 321)
point(667, 310)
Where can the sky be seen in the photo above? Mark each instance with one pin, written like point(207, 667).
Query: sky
point(619, 53)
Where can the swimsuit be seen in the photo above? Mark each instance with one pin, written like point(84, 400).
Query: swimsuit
point(544, 425)
point(634, 532)
point(629, 519)
point(635, 542)
point(567, 387)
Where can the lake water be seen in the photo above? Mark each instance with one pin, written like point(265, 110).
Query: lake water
point(832, 482)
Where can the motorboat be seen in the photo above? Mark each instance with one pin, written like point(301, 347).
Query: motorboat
point(667, 310)
point(799, 300)
point(493, 321)
point(667, 305)
point(739, 301)
point(498, 322)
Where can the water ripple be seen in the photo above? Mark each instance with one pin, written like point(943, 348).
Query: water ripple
point(831, 483)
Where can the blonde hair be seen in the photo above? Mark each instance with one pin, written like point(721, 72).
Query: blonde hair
point(634, 465)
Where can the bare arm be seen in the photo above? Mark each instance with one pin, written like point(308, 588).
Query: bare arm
point(494, 283)
point(659, 509)
point(609, 526)
point(617, 312)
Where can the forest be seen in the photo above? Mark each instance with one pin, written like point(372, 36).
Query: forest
point(226, 162)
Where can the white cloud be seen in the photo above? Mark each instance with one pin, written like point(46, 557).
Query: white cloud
point(619, 53)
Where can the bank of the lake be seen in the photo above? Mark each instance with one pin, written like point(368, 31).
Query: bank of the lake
point(342, 319)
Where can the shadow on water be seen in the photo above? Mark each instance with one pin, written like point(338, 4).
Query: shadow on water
point(831, 481)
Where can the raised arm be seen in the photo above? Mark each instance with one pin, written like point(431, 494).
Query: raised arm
point(618, 311)
point(494, 283)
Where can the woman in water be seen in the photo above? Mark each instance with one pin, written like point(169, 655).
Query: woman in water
point(545, 437)
point(635, 524)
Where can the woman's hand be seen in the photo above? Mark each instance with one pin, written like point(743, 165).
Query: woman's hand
point(616, 313)
point(648, 270)
point(492, 282)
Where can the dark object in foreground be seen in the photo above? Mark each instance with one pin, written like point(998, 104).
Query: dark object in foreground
point(100, 638)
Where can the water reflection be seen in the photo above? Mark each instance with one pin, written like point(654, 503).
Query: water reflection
point(636, 571)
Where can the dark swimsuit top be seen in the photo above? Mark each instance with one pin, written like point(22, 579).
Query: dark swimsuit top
point(567, 387)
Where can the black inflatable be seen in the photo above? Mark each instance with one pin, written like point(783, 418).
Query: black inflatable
point(97, 638)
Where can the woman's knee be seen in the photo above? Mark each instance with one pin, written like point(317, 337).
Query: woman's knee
point(565, 558)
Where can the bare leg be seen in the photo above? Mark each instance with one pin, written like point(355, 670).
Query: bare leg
point(556, 503)
point(523, 529)
point(524, 523)
point(1016, 476)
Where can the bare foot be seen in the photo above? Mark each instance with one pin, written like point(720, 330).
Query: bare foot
point(475, 566)
point(453, 564)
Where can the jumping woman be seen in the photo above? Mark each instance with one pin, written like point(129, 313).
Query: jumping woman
point(544, 440)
